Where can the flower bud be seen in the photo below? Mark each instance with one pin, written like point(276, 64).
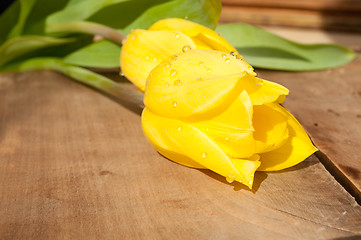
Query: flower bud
point(207, 109)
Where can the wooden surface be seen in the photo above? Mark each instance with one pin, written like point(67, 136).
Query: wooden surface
point(342, 15)
point(74, 164)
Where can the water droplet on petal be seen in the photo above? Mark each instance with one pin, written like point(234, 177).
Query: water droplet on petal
point(233, 53)
point(201, 63)
point(186, 48)
point(205, 97)
point(207, 129)
point(155, 59)
point(230, 178)
point(173, 72)
point(220, 34)
point(168, 65)
point(180, 128)
point(227, 138)
point(174, 104)
point(209, 70)
point(176, 35)
point(147, 57)
point(228, 60)
point(177, 82)
point(122, 74)
point(224, 55)
point(167, 85)
point(204, 155)
point(187, 95)
point(239, 57)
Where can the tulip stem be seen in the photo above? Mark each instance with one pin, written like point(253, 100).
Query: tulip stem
point(81, 75)
point(88, 28)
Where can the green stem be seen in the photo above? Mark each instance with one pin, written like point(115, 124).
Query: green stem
point(81, 75)
point(88, 28)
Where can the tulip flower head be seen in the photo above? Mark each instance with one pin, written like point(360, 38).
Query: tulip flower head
point(145, 49)
point(207, 109)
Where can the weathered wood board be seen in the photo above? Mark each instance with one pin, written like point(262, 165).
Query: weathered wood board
point(74, 164)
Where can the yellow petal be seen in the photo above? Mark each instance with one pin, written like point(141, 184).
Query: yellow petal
point(266, 92)
point(143, 50)
point(203, 37)
point(184, 139)
point(196, 82)
point(296, 149)
point(249, 167)
point(271, 128)
point(232, 130)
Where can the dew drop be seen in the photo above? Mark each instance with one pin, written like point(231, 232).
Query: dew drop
point(209, 70)
point(220, 34)
point(224, 55)
point(239, 57)
point(201, 63)
point(167, 85)
point(168, 65)
point(204, 155)
point(186, 17)
point(230, 178)
point(122, 74)
point(228, 60)
point(154, 59)
point(177, 82)
point(187, 95)
point(227, 138)
point(180, 128)
point(233, 54)
point(186, 48)
point(147, 57)
point(205, 96)
point(174, 104)
point(176, 35)
point(173, 72)
point(207, 129)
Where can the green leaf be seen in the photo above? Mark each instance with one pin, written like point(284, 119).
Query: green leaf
point(107, 54)
point(266, 50)
point(25, 8)
point(205, 12)
point(35, 22)
point(102, 54)
point(8, 20)
point(19, 46)
point(80, 10)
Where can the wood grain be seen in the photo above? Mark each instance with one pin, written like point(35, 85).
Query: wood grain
point(320, 5)
point(302, 18)
point(75, 165)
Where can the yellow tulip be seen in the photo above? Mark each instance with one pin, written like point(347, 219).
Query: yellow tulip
point(145, 49)
point(207, 109)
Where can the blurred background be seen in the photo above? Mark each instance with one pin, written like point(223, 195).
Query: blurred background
point(340, 15)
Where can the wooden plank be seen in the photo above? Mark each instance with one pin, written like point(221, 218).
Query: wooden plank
point(319, 5)
point(303, 18)
point(75, 165)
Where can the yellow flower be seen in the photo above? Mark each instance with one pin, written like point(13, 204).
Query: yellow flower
point(145, 49)
point(206, 109)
